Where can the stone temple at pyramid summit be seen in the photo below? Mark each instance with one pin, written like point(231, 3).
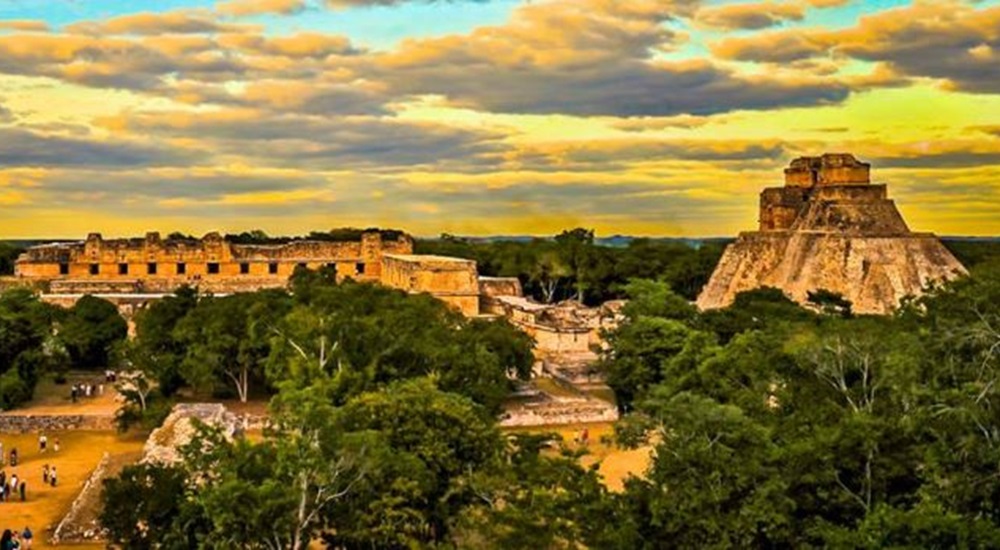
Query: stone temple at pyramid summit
point(829, 228)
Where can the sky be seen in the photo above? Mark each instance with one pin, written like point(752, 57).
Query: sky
point(485, 117)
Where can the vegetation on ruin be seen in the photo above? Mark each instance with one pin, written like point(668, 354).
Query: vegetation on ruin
point(357, 336)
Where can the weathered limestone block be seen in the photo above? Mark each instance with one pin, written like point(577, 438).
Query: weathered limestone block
point(164, 443)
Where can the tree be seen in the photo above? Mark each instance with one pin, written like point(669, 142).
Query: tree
point(576, 250)
point(285, 484)
point(363, 336)
point(437, 439)
point(155, 350)
point(227, 339)
point(91, 330)
point(8, 255)
point(28, 347)
point(540, 497)
point(140, 505)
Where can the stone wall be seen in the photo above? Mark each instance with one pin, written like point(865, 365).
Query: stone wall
point(555, 411)
point(73, 527)
point(828, 169)
point(452, 280)
point(30, 423)
point(162, 265)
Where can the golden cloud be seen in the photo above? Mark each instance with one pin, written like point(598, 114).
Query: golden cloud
point(150, 23)
point(756, 15)
point(26, 25)
point(243, 8)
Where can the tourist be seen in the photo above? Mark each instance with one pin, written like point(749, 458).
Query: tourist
point(55, 445)
point(72, 393)
point(100, 389)
point(52, 476)
point(24, 490)
point(13, 483)
point(7, 540)
point(13, 457)
point(42, 442)
point(86, 389)
point(583, 436)
point(45, 474)
point(27, 536)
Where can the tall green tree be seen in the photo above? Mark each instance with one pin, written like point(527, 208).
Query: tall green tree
point(228, 339)
point(156, 350)
point(91, 330)
point(576, 248)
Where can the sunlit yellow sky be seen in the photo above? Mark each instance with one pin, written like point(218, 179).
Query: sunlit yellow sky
point(642, 117)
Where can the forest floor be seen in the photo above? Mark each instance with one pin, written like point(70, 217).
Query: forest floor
point(616, 463)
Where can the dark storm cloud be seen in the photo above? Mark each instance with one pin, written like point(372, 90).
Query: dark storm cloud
point(322, 143)
point(20, 147)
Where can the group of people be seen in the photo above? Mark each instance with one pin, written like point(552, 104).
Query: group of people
point(14, 487)
point(85, 390)
point(14, 539)
point(11, 488)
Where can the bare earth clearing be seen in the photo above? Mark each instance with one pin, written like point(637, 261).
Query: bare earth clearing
point(617, 464)
point(78, 455)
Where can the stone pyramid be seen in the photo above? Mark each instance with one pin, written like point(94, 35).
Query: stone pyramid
point(830, 228)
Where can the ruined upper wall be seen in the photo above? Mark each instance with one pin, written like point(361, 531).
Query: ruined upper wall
point(452, 280)
point(827, 169)
point(180, 261)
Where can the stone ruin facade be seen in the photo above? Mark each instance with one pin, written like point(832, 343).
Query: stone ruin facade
point(133, 272)
point(212, 264)
point(829, 228)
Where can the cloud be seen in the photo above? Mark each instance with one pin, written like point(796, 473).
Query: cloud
point(951, 41)
point(618, 154)
point(585, 57)
point(369, 3)
point(150, 23)
point(318, 142)
point(6, 115)
point(297, 46)
point(20, 147)
point(749, 16)
point(25, 25)
point(110, 62)
point(781, 46)
point(244, 8)
point(650, 124)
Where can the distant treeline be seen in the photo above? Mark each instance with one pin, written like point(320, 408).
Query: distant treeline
point(343, 234)
point(973, 252)
point(8, 254)
point(573, 264)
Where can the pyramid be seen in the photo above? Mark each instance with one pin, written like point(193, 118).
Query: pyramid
point(830, 228)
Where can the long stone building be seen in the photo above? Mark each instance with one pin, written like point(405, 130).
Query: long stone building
point(135, 271)
point(829, 228)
